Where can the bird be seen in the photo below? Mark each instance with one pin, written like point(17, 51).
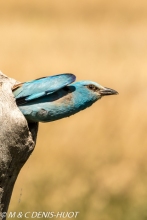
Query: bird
point(55, 97)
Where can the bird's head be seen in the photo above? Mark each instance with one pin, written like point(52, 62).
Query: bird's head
point(93, 90)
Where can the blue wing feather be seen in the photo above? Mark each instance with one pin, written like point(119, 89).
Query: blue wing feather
point(40, 87)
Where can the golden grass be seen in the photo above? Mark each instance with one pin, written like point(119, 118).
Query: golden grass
point(93, 162)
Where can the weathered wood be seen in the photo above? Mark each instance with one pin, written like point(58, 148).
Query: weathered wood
point(17, 140)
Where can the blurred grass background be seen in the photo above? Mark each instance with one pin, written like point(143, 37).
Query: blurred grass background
point(93, 162)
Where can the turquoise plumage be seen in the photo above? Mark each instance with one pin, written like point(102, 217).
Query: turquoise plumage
point(55, 97)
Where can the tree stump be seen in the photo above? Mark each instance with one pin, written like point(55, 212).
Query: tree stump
point(17, 141)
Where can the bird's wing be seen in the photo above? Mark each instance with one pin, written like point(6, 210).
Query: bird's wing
point(40, 87)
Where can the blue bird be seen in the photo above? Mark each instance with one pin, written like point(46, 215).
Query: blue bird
point(54, 97)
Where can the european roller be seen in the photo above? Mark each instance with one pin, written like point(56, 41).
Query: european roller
point(54, 97)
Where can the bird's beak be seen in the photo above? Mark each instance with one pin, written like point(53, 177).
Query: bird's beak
point(108, 91)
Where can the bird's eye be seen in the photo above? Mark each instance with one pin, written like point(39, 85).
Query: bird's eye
point(93, 87)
